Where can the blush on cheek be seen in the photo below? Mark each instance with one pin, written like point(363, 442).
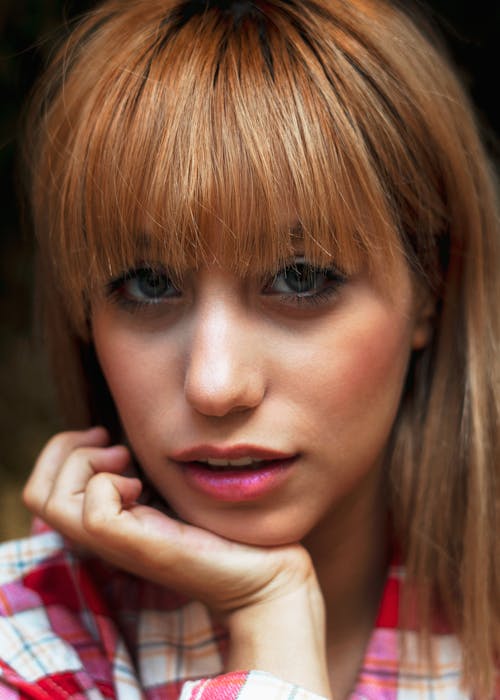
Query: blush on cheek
point(362, 384)
point(378, 360)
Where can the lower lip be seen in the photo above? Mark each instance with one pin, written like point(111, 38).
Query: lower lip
point(238, 484)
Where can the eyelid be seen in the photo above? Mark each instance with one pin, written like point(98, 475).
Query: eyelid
point(133, 272)
point(303, 260)
point(326, 283)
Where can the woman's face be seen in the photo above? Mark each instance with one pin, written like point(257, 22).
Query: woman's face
point(257, 407)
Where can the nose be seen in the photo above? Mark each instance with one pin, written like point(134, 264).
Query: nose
point(224, 373)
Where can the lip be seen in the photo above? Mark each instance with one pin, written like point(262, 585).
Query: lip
point(239, 484)
point(203, 452)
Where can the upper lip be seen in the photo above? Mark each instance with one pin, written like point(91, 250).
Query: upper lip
point(200, 453)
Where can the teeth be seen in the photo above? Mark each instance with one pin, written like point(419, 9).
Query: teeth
point(242, 462)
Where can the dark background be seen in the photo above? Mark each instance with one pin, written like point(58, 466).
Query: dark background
point(27, 30)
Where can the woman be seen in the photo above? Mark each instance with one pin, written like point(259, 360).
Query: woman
point(269, 251)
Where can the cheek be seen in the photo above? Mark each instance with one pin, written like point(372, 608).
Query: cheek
point(350, 383)
point(134, 371)
point(373, 364)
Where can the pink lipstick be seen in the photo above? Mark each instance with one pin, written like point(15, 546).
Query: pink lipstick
point(239, 473)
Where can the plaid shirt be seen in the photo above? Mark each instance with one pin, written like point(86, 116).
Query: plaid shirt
point(73, 627)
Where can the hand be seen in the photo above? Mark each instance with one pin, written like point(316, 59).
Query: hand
point(78, 487)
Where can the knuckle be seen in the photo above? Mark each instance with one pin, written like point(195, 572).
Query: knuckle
point(83, 457)
point(96, 518)
point(95, 522)
point(80, 453)
point(51, 511)
point(57, 448)
point(64, 440)
point(100, 481)
point(28, 497)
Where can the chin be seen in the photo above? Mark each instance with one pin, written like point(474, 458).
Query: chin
point(261, 534)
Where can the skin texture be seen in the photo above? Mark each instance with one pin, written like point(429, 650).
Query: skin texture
point(224, 362)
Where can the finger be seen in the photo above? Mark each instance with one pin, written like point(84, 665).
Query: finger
point(52, 457)
point(148, 543)
point(107, 495)
point(83, 463)
point(63, 507)
point(142, 540)
point(109, 517)
point(105, 504)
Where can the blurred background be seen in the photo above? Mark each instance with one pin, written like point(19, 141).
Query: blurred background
point(27, 31)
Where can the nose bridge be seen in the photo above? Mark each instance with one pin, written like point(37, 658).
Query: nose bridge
point(222, 372)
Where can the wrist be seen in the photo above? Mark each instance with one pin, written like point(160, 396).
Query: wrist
point(283, 635)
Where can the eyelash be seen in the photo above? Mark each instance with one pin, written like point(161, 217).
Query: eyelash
point(316, 299)
point(115, 288)
point(334, 277)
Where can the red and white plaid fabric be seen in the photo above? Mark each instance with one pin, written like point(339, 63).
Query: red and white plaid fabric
point(73, 627)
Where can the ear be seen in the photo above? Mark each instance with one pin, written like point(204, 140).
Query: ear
point(424, 314)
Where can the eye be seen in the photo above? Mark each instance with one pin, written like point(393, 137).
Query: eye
point(145, 285)
point(303, 280)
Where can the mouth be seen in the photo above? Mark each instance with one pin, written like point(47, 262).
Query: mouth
point(231, 456)
point(227, 465)
point(239, 477)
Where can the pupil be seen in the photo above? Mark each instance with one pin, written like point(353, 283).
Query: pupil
point(152, 284)
point(301, 278)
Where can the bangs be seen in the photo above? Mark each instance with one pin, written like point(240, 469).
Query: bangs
point(200, 138)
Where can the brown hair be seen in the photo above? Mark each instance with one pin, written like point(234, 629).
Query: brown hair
point(181, 127)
